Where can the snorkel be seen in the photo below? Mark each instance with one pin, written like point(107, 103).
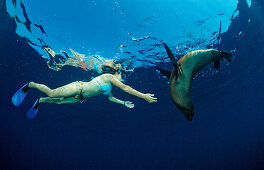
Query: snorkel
point(123, 66)
point(107, 69)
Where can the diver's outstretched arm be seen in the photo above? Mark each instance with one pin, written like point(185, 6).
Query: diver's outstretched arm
point(115, 100)
point(148, 97)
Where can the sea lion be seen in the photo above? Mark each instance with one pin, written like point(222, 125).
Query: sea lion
point(183, 72)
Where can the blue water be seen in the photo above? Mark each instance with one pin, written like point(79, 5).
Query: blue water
point(227, 128)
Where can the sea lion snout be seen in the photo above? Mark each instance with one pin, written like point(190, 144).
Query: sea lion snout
point(188, 111)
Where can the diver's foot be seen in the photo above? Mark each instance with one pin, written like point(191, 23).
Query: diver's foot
point(25, 88)
point(31, 84)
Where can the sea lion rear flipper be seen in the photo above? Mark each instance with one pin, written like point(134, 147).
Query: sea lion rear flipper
point(217, 64)
point(171, 56)
point(164, 72)
point(226, 55)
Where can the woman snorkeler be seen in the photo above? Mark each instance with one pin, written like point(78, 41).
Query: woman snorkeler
point(79, 91)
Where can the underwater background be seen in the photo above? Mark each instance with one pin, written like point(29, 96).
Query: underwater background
point(226, 131)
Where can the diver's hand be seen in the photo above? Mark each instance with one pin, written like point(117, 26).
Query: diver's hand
point(129, 104)
point(150, 98)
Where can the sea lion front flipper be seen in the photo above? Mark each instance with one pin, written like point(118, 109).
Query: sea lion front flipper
point(171, 56)
point(217, 64)
point(164, 72)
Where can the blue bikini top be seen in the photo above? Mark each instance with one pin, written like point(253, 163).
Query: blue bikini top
point(106, 89)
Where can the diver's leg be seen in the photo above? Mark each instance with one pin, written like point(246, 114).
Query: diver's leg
point(68, 90)
point(41, 87)
point(58, 100)
point(49, 100)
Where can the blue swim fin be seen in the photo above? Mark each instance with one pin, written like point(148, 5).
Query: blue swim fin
point(20, 95)
point(33, 111)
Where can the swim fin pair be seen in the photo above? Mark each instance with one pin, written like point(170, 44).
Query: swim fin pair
point(19, 97)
